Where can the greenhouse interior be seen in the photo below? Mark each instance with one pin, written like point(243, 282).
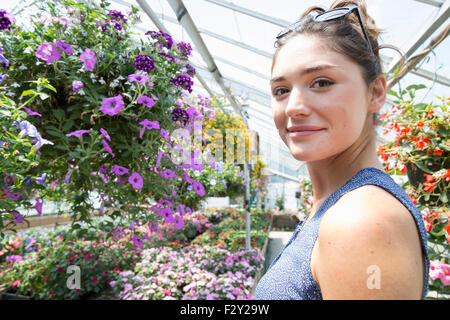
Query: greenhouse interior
point(202, 190)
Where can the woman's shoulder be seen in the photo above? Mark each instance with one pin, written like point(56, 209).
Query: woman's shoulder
point(369, 226)
point(366, 205)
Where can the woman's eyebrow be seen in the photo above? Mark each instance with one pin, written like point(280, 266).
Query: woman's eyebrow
point(306, 71)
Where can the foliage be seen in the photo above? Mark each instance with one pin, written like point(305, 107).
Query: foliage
point(19, 154)
point(421, 150)
point(113, 109)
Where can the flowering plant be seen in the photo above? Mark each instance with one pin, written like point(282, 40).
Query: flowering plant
point(421, 150)
point(20, 142)
point(420, 147)
point(306, 196)
point(191, 273)
point(111, 117)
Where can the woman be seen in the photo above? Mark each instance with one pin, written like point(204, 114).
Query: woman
point(364, 238)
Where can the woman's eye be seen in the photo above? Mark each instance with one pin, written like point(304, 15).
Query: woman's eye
point(322, 83)
point(279, 91)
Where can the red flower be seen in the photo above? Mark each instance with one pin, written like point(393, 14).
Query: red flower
point(77, 290)
point(116, 269)
point(94, 279)
point(438, 152)
point(50, 293)
point(420, 124)
point(59, 269)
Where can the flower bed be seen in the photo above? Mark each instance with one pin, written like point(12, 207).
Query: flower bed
point(35, 263)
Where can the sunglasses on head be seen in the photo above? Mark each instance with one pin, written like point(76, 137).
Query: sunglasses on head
point(334, 14)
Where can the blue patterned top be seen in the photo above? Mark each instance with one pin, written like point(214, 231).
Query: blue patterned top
point(289, 276)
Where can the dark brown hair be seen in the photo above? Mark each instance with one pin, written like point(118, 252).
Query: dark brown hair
point(344, 36)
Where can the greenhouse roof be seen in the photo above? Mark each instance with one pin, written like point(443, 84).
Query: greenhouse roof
point(233, 44)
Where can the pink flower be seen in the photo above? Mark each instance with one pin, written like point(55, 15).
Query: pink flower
point(77, 85)
point(88, 57)
point(14, 285)
point(440, 270)
point(94, 279)
point(48, 52)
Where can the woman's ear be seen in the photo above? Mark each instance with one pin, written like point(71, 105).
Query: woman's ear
point(377, 93)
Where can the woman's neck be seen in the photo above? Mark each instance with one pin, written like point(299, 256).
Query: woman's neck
point(330, 174)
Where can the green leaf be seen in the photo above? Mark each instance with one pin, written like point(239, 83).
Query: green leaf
point(392, 92)
point(420, 106)
point(27, 93)
point(422, 167)
point(50, 87)
point(416, 87)
point(59, 114)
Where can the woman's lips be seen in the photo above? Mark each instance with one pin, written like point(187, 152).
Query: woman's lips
point(303, 133)
point(296, 132)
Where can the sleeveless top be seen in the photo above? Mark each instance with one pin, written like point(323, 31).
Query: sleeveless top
point(289, 275)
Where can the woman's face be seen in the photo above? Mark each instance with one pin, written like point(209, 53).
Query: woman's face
point(314, 86)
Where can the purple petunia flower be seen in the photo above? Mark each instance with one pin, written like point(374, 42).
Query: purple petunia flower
point(103, 168)
point(178, 222)
point(31, 112)
point(13, 195)
point(4, 62)
point(78, 133)
point(105, 134)
point(67, 177)
point(165, 134)
point(48, 52)
point(198, 188)
point(136, 180)
point(148, 125)
point(138, 241)
point(77, 85)
point(88, 57)
point(112, 106)
point(167, 214)
point(38, 206)
point(119, 170)
point(65, 47)
point(41, 179)
point(139, 78)
point(18, 216)
point(145, 63)
point(107, 147)
point(166, 174)
point(147, 101)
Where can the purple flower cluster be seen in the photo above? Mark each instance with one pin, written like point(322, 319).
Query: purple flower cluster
point(117, 15)
point(168, 56)
point(184, 81)
point(5, 22)
point(190, 70)
point(144, 62)
point(179, 113)
point(185, 49)
point(163, 39)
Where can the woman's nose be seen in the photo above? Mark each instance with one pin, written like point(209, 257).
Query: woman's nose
point(297, 104)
